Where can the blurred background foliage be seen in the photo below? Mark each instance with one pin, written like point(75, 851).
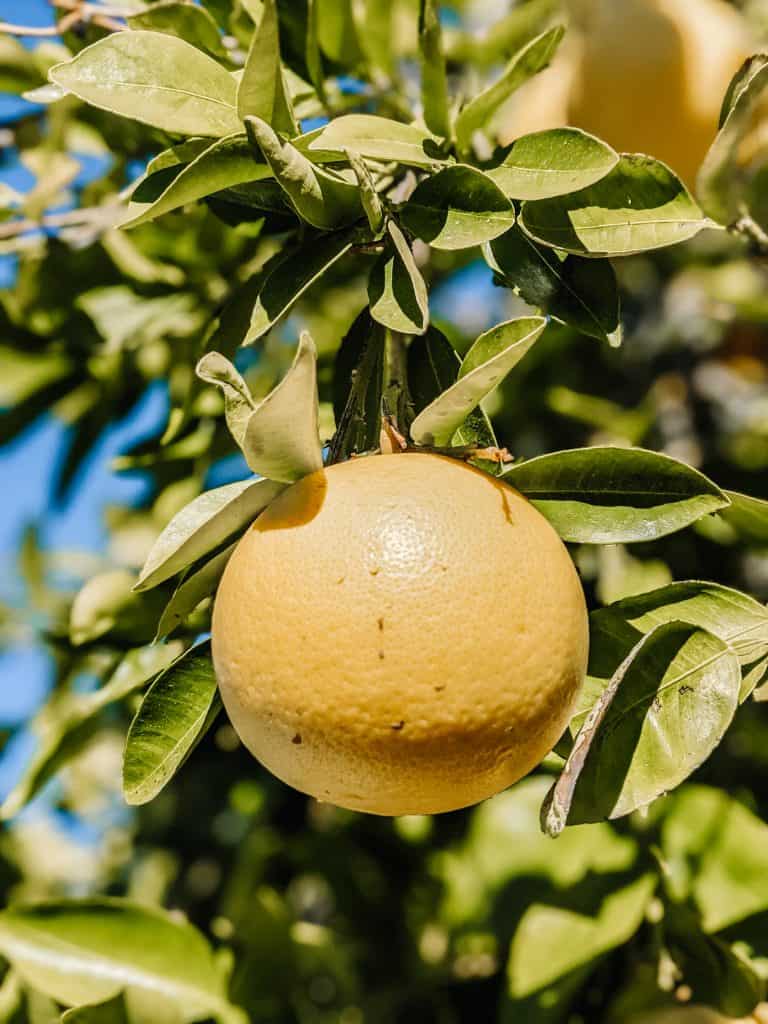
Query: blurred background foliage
point(330, 916)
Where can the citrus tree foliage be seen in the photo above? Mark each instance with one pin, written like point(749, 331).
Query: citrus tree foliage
point(315, 176)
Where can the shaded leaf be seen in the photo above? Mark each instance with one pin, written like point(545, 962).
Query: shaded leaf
point(286, 280)
point(718, 184)
point(553, 163)
point(63, 734)
point(80, 952)
point(579, 292)
point(203, 525)
point(485, 365)
point(477, 115)
point(378, 138)
point(175, 714)
point(278, 435)
point(615, 495)
point(226, 163)
point(663, 713)
point(434, 80)
point(322, 198)
point(641, 205)
point(358, 382)
point(433, 367)
point(737, 619)
point(262, 92)
point(457, 208)
point(156, 79)
point(396, 290)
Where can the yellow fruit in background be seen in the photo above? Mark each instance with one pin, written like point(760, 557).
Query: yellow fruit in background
point(647, 76)
point(400, 634)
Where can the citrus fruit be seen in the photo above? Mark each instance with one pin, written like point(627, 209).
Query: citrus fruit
point(400, 634)
point(647, 76)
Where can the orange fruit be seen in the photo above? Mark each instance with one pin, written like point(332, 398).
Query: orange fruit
point(400, 634)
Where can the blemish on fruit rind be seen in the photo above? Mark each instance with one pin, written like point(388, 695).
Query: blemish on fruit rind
point(296, 739)
point(397, 726)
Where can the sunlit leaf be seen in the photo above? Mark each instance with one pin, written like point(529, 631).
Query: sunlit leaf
point(553, 163)
point(88, 951)
point(457, 208)
point(433, 368)
point(378, 138)
point(663, 713)
point(639, 206)
point(262, 92)
point(225, 163)
point(718, 183)
point(477, 115)
point(200, 527)
point(156, 79)
point(322, 198)
point(192, 590)
point(279, 434)
point(187, 21)
point(615, 495)
point(491, 358)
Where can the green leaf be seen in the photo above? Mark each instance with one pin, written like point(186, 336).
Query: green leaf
point(615, 495)
point(737, 619)
point(434, 80)
point(202, 526)
point(358, 383)
point(485, 365)
point(748, 517)
point(278, 435)
point(433, 367)
point(80, 952)
point(187, 21)
point(156, 79)
point(552, 941)
point(457, 208)
point(553, 163)
point(262, 92)
point(396, 291)
point(718, 184)
point(224, 164)
point(717, 851)
point(477, 115)
point(111, 1012)
point(665, 710)
point(378, 138)
point(286, 280)
point(175, 714)
point(641, 205)
point(64, 731)
point(192, 590)
point(369, 197)
point(576, 291)
point(337, 32)
point(322, 198)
